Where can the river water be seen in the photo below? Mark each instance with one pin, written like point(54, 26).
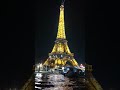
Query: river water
point(58, 82)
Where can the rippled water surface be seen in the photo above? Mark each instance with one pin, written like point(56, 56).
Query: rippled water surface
point(58, 82)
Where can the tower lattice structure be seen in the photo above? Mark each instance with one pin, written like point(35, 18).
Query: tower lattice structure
point(61, 53)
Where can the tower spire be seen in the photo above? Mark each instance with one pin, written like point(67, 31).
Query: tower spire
point(61, 26)
point(62, 2)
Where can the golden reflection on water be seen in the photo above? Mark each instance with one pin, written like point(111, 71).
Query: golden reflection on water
point(53, 82)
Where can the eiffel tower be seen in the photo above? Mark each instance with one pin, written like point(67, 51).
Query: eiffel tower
point(61, 54)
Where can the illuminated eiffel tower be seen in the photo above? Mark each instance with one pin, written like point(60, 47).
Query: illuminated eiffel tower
point(61, 54)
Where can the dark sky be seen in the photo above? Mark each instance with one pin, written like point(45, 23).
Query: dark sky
point(28, 30)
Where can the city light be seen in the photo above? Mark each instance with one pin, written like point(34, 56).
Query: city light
point(41, 65)
point(81, 66)
point(39, 75)
point(63, 68)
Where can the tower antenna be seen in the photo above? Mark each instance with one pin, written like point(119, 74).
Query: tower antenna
point(63, 1)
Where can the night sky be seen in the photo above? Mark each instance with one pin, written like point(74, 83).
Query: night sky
point(28, 31)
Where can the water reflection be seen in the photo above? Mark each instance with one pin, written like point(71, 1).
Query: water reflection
point(57, 82)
